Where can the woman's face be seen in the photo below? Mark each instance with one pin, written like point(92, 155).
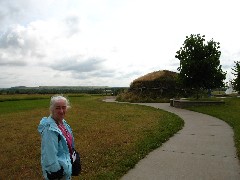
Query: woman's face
point(59, 110)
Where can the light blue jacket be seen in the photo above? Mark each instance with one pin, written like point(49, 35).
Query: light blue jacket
point(54, 148)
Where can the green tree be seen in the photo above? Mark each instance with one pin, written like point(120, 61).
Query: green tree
point(200, 67)
point(236, 73)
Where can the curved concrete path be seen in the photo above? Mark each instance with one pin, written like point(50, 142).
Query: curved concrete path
point(202, 150)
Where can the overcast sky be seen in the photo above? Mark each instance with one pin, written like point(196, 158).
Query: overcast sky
point(107, 42)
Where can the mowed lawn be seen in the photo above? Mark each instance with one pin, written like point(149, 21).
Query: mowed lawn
point(111, 137)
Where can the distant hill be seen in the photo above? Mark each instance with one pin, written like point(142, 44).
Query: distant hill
point(62, 89)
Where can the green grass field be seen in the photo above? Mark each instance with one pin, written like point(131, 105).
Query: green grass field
point(229, 112)
point(111, 137)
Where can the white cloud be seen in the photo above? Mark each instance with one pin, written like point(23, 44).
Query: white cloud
point(107, 42)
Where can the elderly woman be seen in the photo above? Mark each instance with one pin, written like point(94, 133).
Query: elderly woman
point(57, 147)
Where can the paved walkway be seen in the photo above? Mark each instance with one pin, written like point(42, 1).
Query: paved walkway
point(202, 150)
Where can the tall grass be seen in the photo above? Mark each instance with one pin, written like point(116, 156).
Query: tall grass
point(229, 112)
point(111, 137)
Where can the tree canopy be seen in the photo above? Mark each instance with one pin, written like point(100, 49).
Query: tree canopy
point(199, 64)
point(236, 73)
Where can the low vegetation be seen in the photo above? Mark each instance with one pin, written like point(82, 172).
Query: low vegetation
point(111, 137)
point(157, 86)
point(140, 98)
point(229, 112)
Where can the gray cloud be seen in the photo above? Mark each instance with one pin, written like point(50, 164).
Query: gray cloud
point(11, 38)
point(104, 73)
point(8, 11)
point(94, 74)
point(227, 66)
point(72, 24)
point(81, 68)
point(17, 45)
point(9, 76)
point(128, 74)
point(12, 12)
point(79, 64)
point(20, 37)
point(25, 11)
point(174, 64)
point(11, 57)
point(12, 62)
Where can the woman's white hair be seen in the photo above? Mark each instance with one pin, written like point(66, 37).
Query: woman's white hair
point(56, 98)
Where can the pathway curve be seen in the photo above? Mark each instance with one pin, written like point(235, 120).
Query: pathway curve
point(203, 149)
